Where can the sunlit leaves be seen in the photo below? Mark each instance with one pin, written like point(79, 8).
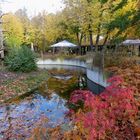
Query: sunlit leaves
point(13, 30)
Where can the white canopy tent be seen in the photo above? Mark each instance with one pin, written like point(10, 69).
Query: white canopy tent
point(133, 43)
point(64, 44)
point(129, 42)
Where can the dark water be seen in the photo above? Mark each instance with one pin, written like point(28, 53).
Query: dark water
point(95, 74)
point(96, 77)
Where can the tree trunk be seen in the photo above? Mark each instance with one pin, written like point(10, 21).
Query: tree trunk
point(85, 40)
point(81, 37)
point(1, 39)
point(2, 54)
point(139, 51)
point(79, 40)
point(91, 41)
point(97, 42)
point(97, 39)
point(99, 30)
point(106, 38)
point(90, 37)
point(42, 54)
point(32, 47)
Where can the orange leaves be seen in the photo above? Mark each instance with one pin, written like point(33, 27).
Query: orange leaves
point(137, 130)
point(39, 134)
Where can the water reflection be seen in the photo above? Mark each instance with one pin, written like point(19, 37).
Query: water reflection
point(46, 107)
point(18, 119)
point(62, 77)
point(96, 77)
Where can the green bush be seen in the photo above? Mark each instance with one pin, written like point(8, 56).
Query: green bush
point(21, 59)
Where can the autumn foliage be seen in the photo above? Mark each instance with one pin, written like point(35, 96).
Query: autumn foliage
point(110, 115)
point(107, 116)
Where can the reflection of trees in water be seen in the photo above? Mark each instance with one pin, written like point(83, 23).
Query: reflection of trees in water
point(19, 125)
point(98, 60)
point(7, 120)
point(45, 91)
point(82, 83)
point(60, 103)
point(20, 117)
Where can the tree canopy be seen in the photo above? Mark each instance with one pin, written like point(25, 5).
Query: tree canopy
point(84, 22)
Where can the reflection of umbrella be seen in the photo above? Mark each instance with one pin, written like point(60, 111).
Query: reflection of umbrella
point(61, 77)
point(131, 42)
point(64, 44)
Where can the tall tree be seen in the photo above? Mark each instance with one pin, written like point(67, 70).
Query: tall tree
point(13, 30)
point(121, 13)
point(74, 20)
point(37, 23)
point(22, 15)
point(1, 37)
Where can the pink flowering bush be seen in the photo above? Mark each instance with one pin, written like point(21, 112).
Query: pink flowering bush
point(109, 115)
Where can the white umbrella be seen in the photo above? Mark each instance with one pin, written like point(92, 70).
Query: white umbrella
point(64, 44)
point(131, 42)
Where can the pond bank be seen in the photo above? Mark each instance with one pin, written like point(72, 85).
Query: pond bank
point(17, 84)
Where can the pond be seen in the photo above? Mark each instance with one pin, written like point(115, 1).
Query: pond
point(48, 105)
point(17, 120)
point(96, 77)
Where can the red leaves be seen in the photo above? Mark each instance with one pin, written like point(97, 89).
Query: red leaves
point(104, 115)
point(80, 95)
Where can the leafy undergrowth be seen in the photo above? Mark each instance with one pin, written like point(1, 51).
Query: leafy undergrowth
point(110, 115)
point(131, 75)
point(12, 85)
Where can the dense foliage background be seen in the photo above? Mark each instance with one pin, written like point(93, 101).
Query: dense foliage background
point(104, 21)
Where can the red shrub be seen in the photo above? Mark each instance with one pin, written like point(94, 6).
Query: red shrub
point(108, 115)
